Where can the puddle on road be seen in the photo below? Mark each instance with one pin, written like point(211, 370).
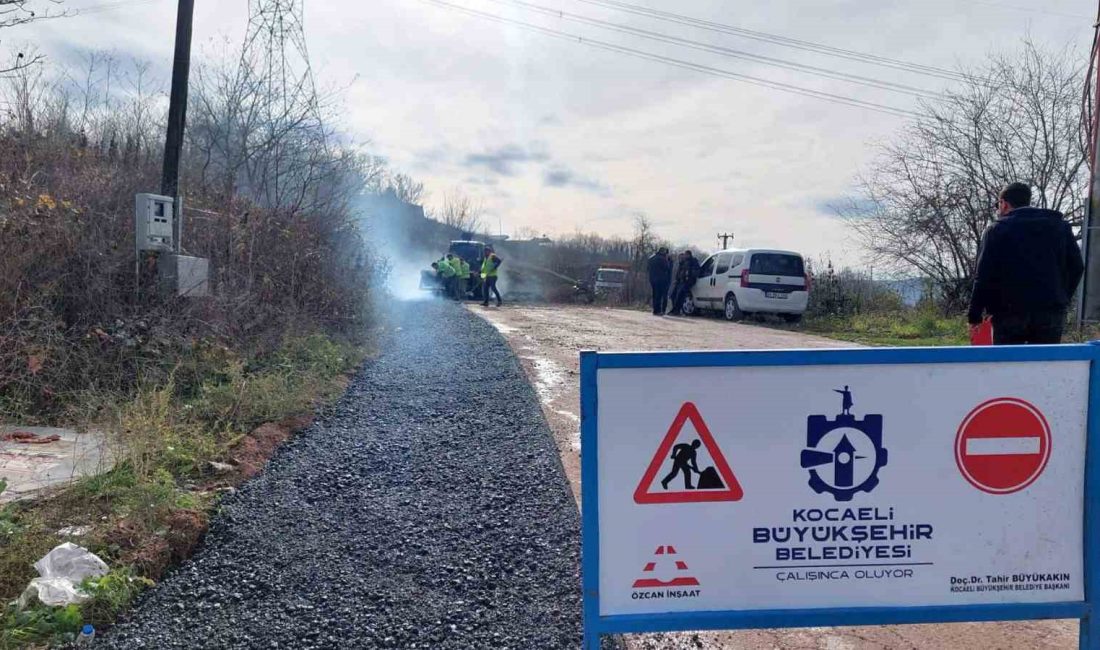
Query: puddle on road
point(505, 329)
point(548, 376)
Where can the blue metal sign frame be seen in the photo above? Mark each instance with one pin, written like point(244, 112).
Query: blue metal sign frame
point(596, 625)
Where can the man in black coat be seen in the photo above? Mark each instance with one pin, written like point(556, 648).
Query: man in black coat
point(1028, 270)
point(687, 272)
point(660, 275)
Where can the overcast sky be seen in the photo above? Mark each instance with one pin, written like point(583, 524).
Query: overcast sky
point(557, 136)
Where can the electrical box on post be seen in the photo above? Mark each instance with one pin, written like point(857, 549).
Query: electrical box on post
point(184, 276)
point(154, 223)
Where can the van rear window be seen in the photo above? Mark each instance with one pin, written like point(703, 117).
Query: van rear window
point(776, 264)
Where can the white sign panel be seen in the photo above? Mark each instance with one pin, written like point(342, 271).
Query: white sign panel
point(734, 488)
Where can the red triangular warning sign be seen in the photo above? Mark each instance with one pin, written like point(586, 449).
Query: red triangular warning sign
point(723, 487)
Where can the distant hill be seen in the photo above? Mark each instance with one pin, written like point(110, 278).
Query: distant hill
point(911, 290)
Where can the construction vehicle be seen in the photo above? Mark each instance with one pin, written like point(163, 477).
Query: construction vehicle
point(611, 279)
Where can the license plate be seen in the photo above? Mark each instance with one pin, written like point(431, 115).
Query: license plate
point(776, 294)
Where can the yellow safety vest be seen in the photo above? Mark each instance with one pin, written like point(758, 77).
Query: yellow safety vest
point(488, 268)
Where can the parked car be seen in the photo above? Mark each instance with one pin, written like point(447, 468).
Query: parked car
point(739, 282)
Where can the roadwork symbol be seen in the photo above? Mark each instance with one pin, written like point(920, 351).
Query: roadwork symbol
point(714, 483)
point(679, 579)
point(1003, 445)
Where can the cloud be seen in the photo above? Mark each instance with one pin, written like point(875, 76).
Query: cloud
point(430, 160)
point(481, 180)
point(505, 160)
point(559, 176)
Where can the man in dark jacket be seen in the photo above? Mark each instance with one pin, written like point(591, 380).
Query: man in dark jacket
point(687, 272)
point(660, 275)
point(1028, 269)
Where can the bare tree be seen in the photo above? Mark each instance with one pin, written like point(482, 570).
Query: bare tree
point(21, 12)
point(644, 241)
point(406, 188)
point(933, 191)
point(460, 211)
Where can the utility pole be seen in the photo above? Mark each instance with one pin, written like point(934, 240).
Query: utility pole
point(725, 237)
point(1088, 308)
point(177, 106)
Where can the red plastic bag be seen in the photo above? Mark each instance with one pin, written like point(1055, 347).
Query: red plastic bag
point(982, 334)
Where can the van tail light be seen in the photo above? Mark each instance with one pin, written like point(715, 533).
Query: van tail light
point(809, 281)
point(745, 279)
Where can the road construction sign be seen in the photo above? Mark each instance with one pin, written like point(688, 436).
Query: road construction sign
point(838, 487)
point(680, 577)
point(682, 459)
point(1003, 445)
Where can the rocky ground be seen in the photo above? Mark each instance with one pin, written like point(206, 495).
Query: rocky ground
point(427, 509)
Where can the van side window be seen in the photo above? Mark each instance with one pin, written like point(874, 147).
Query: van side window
point(723, 263)
point(707, 268)
point(738, 259)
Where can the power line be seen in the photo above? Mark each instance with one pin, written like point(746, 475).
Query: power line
point(108, 6)
point(1033, 10)
point(725, 51)
point(688, 65)
point(777, 39)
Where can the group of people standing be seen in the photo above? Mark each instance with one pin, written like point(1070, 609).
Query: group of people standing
point(662, 270)
point(454, 274)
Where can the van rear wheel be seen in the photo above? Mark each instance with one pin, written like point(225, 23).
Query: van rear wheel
point(732, 310)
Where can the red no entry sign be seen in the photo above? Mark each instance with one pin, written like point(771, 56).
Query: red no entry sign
point(1003, 445)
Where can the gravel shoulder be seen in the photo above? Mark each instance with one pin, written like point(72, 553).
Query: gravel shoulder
point(427, 509)
point(548, 340)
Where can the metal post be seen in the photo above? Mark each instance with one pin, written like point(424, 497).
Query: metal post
point(177, 106)
point(1089, 302)
point(1089, 638)
point(1088, 307)
point(590, 513)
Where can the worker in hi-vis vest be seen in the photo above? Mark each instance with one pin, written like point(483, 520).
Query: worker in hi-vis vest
point(489, 267)
point(447, 276)
point(456, 265)
point(463, 277)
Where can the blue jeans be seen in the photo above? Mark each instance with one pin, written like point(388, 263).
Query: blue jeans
point(491, 285)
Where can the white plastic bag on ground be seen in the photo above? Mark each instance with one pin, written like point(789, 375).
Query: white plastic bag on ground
point(62, 570)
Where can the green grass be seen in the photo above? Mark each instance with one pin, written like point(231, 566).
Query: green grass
point(38, 625)
point(908, 328)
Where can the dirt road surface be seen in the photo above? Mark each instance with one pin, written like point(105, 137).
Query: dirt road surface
point(548, 340)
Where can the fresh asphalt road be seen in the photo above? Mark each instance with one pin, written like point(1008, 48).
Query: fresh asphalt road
point(427, 509)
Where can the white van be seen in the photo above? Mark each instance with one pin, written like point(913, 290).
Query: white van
point(739, 282)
